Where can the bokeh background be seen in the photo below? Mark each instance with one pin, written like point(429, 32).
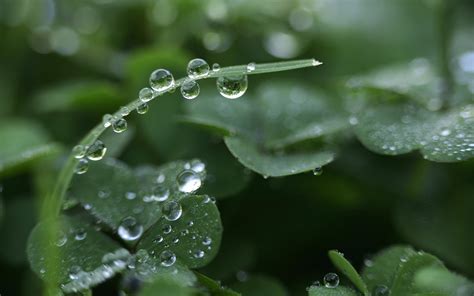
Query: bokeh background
point(64, 64)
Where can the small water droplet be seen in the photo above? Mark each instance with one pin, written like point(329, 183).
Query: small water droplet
point(130, 195)
point(251, 67)
point(158, 239)
point(199, 254)
point(82, 166)
point(368, 263)
point(61, 240)
point(216, 67)
point(445, 132)
point(124, 111)
point(160, 193)
point(167, 229)
point(79, 151)
point(198, 166)
point(242, 276)
point(232, 87)
point(207, 241)
point(190, 89)
point(130, 229)
point(145, 94)
point(167, 258)
point(120, 125)
point(189, 181)
point(161, 178)
point(80, 234)
point(381, 290)
point(190, 223)
point(316, 62)
point(87, 206)
point(331, 280)
point(142, 108)
point(198, 68)
point(107, 120)
point(74, 272)
point(161, 80)
point(172, 210)
point(96, 151)
point(318, 171)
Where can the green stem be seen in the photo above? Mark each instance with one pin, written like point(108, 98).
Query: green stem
point(445, 23)
point(53, 201)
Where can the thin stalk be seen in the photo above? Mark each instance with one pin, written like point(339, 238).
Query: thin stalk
point(445, 28)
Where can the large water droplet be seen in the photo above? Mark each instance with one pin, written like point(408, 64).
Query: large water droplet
point(381, 290)
point(142, 108)
point(232, 87)
point(120, 125)
point(82, 166)
point(161, 80)
point(130, 229)
point(190, 89)
point(79, 151)
point(167, 258)
point(172, 210)
point(80, 234)
point(96, 151)
point(188, 181)
point(331, 280)
point(145, 94)
point(198, 68)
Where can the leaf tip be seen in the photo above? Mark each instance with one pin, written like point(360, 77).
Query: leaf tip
point(316, 62)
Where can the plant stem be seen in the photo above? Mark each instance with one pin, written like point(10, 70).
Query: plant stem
point(445, 22)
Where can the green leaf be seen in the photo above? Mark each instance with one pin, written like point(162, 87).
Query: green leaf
point(93, 96)
point(280, 116)
point(337, 291)
point(260, 285)
point(84, 256)
point(112, 192)
point(25, 142)
point(19, 219)
point(194, 238)
point(348, 270)
point(166, 286)
point(215, 288)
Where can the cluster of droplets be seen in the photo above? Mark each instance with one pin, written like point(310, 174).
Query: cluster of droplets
point(84, 154)
point(330, 280)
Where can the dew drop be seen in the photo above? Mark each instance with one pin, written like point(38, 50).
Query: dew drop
point(160, 193)
point(381, 290)
point(188, 181)
point(158, 239)
point(145, 94)
point(216, 67)
point(130, 229)
point(142, 108)
point(80, 234)
point(197, 68)
point(120, 125)
point(190, 223)
point(232, 87)
point(161, 80)
point(167, 229)
point(199, 254)
point(161, 178)
point(190, 89)
point(130, 195)
point(124, 111)
point(107, 120)
point(331, 280)
point(82, 166)
point(74, 272)
point(167, 258)
point(251, 67)
point(207, 241)
point(172, 211)
point(318, 171)
point(96, 151)
point(79, 151)
point(61, 240)
point(198, 166)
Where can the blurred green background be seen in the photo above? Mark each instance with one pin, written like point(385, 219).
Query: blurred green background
point(64, 64)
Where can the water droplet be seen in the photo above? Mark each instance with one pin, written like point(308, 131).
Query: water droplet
point(124, 111)
point(120, 125)
point(175, 240)
point(61, 240)
point(142, 108)
point(331, 280)
point(158, 239)
point(190, 223)
point(188, 181)
point(216, 67)
point(161, 178)
point(130, 229)
point(160, 193)
point(381, 290)
point(130, 195)
point(368, 263)
point(79, 151)
point(80, 234)
point(167, 258)
point(190, 89)
point(172, 211)
point(318, 171)
point(242, 276)
point(82, 166)
point(198, 68)
point(199, 254)
point(316, 62)
point(251, 67)
point(96, 151)
point(74, 272)
point(207, 241)
point(198, 166)
point(87, 206)
point(445, 132)
point(145, 94)
point(161, 80)
point(107, 120)
point(167, 229)
point(232, 87)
